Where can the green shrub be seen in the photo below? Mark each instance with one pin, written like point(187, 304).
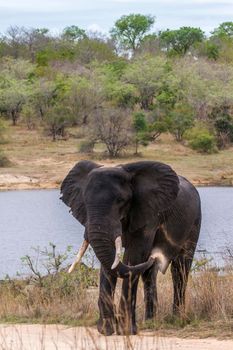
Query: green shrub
point(86, 146)
point(201, 140)
point(204, 142)
point(4, 161)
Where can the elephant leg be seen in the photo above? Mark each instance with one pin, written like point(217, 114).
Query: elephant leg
point(150, 291)
point(106, 320)
point(180, 269)
point(127, 313)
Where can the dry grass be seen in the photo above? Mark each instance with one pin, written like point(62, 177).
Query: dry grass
point(66, 300)
point(36, 156)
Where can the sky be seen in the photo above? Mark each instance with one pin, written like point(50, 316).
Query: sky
point(100, 15)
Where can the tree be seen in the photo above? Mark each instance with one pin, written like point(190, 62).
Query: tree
point(157, 128)
point(222, 118)
point(111, 126)
point(94, 49)
point(35, 39)
point(12, 99)
point(209, 48)
point(82, 97)
point(2, 131)
point(140, 127)
point(225, 29)
point(120, 93)
point(14, 40)
point(146, 74)
point(130, 30)
point(179, 41)
point(43, 96)
point(222, 37)
point(73, 33)
point(180, 120)
point(201, 83)
point(56, 119)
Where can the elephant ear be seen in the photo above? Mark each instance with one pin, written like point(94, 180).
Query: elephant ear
point(72, 188)
point(155, 187)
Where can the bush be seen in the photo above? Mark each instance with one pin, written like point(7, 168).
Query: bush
point(4, 161)
point(201, 140)
point(204, 143)
point(86, 146)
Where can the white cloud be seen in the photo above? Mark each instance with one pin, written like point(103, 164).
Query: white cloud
point(101, 14)
point(173, 2)
point(95, 28)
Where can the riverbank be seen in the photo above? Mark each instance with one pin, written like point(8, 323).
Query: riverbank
point(20, 182)
point(39, 163)
point(51, 337)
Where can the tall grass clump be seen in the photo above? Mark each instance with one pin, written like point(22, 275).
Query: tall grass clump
point(4, 161)
point(50, 295)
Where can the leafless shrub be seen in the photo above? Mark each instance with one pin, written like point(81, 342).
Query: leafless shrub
point(112, 127)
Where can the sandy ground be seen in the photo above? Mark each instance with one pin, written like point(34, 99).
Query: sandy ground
point(52, 337)
point(21, 182)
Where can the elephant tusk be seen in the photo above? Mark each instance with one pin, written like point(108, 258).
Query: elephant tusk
point(118, 245)
point(80, 254)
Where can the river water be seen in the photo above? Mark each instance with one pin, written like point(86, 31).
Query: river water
point(36, 217)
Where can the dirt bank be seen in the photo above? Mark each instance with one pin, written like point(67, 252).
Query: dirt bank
point(37, 162)
point(22, 182)
point(51, 337)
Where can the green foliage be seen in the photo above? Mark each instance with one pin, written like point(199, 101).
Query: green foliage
point(118, 67)
point(180, 40)
point(81, 97)
point(204, 142)
point(201, 264)
point(94, 49)
point(4, 161)
point(55, 120)
point(130, 30)
point(120, 93)
point(73, 33)
point(86, 146)
point(146, 74)
point(225, 29)
point(3, 129)
point(139, 122)
point(43, 57)
point(221, 116)
point(76, 77)
point(29, 116)
point(212, 50)
point(12, 98)
point(224, 125)
point(140, 128)
point(201, 140)
point(47, 270)
point(180, 120)
point(157, 128)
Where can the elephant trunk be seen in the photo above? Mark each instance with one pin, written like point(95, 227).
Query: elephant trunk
point(105, 251)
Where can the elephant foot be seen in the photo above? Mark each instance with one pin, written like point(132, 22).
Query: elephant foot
point(105, 326)
point(149, 315)
point(124, 328)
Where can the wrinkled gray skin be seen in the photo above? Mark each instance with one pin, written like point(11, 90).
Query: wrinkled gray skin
point(153, 210)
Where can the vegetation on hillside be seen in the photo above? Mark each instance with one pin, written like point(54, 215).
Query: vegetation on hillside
point(173, 81)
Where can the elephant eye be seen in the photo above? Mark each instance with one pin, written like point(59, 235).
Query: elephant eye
point(120, 200)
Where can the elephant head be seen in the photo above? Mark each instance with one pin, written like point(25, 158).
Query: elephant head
point(103, 199)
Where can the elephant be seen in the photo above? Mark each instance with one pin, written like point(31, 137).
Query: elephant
point(153, 213)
